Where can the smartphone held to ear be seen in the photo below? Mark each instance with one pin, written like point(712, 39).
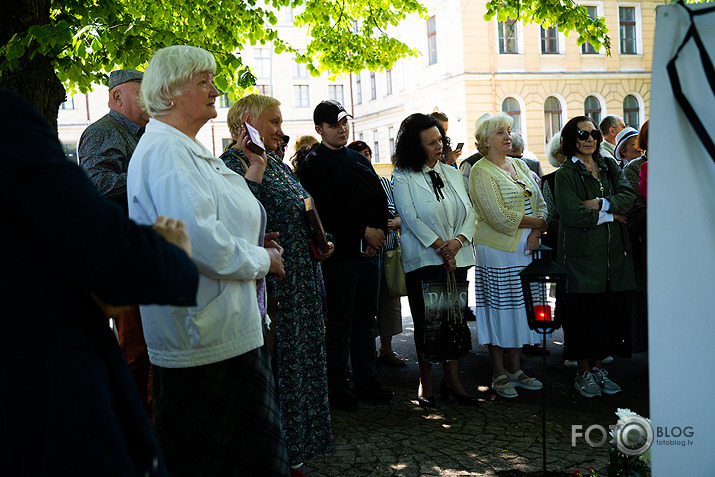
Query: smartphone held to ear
point(255, 143)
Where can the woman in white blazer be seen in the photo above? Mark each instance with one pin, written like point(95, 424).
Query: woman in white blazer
point(437, 228)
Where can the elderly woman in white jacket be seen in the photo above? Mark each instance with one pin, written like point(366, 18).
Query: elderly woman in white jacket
point(215, 407)
point(437, 228)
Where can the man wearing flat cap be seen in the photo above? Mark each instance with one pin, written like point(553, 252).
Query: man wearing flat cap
point(107, 144)
point(104, 151)
point(353, 208)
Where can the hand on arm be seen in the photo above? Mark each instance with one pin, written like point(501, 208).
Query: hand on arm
point(591, 204)
point(536, 223)
point(173, 231)
point(375, 238)
point(449, 249)
point(274, 253)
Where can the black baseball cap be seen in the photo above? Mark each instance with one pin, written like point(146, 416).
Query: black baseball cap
point(329, 111)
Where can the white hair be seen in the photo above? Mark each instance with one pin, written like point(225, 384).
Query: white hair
point(169, 73)
point(553, 148)
point(488, 126)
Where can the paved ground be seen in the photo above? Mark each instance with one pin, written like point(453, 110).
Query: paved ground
point(402, 439)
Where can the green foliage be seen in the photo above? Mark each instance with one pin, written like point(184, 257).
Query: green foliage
point(86, 39)
point(567, 16)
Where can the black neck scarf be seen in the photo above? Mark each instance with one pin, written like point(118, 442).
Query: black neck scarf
point(437, 184)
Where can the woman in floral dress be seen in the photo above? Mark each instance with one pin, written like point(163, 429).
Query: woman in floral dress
point(299, 352)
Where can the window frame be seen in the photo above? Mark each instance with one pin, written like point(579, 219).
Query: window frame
point(432, 40)
point(636, 25)
point(516, 38)
point(299, 96)
point(375, 146)
point(587, 48)
point(358, 88)
point(601, 109)
point(544, 37)
point(512, 112)
point(261, 63)
point(628, 112)
point(549, 130)
point(332, 90)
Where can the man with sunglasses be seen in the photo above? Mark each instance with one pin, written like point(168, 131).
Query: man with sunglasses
point(610, 126)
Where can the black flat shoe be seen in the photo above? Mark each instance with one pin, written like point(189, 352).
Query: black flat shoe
point(426, 401)
point(464, 399)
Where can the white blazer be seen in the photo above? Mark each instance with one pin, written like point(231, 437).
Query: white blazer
point(418, 207)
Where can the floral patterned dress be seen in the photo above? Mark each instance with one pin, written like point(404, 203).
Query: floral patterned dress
point(300, 327)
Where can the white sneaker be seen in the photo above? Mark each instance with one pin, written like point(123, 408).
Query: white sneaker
point(607, 360)
point(570, 363)
point(586, 385)
point(607, 386)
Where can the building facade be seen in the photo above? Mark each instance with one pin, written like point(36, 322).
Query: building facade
point(467, 67)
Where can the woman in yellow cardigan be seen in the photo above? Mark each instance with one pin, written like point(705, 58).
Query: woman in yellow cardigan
point(510, 219)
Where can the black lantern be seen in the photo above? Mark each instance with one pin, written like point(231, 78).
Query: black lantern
point(544, 285)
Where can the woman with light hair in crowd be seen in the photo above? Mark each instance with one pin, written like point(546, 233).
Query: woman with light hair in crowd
point(215, 408)
point(510, 221)
point(299, 349)
point(555, 158)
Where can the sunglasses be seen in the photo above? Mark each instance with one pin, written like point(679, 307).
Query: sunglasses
point(583, 135)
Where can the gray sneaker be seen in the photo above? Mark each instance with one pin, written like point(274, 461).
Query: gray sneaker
point(607, 386)
point(586, 384)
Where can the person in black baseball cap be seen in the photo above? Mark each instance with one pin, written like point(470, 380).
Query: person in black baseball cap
point(329, 111)
point(353, 208)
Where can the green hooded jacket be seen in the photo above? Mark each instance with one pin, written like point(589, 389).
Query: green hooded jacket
point(593, 254)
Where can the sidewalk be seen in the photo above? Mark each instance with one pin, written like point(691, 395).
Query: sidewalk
point(402, 439)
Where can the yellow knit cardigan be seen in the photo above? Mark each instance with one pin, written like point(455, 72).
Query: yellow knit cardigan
point(499, 203)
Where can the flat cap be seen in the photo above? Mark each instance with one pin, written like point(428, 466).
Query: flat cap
point(118, 77)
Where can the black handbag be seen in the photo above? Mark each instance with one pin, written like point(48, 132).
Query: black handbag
point(447, 335)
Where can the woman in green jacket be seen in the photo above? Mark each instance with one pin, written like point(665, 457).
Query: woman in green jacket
point(592, 198)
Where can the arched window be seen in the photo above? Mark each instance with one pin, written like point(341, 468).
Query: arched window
point(511, 107)
point(592, 109)
point(552, 117)
point(631, 110)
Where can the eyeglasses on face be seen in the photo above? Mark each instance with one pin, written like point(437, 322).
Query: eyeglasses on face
point(583, 135)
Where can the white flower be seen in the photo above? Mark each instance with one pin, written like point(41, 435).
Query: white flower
point(624, 412)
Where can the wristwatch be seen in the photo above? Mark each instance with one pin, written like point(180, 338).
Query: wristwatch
point(600, 204)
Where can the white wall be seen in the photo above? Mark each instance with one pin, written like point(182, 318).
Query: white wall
point(681, 255)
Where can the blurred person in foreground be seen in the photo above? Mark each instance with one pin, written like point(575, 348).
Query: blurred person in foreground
point(215, 406)
point(437, 229)
point(510, 220)
point(592, 197)
point(299, 348)
point(389, 308)
point(68, 404)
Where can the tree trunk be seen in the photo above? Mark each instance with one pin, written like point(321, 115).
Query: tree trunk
point(35, 80)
